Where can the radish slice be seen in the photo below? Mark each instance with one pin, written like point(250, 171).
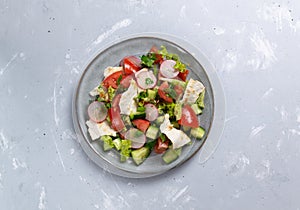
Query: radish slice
point(136, 137)
point(97, 111)
point(167, 69)
point(145, 79)
point(151, 112)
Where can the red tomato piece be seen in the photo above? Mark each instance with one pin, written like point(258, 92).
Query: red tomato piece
point(183, 75)
point(112, 80)
point(188, 117)
point(160, 147)
point(141, 124)
point(162, 94)
point(131, 64)
point(116, 121)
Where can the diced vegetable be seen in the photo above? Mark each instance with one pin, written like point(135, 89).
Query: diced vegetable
point(145, 79)
point(183, 75)
point(141, 124)
point(97, 111)
point(136, 137)
point(170, 156)
point(125, 150)
point(112, 79)
point(116, 121)
point(198, 132)
point(178, 111)
point(167, 69)
point(200, 99)
point(140, 155)
point(152, 94)
point(188, 117)
point(137, 115)
point(107, 143)
point(131, 64)
point(196, 109)
point(117, 143)
point(162, 93)
point(161, 146)
point(159, 120)
point(152, 132)
point(151, 112)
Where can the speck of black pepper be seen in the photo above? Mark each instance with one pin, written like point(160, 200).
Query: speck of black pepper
point(44, 134)
point(278, 5)
point(292, 19)
point(290, 10)
point(49, 31)
point(214, 28)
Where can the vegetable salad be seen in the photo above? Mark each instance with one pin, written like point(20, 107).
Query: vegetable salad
point(147, 104)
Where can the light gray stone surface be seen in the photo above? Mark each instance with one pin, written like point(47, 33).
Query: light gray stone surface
point(254, 46)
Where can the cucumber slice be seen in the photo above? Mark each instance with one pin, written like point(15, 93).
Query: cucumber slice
point(178, 111)
point(196, 109)
point(198, 133)
point(170, 155)
point(137, 115)
point(151, 94)
point(200, 100)
point(140, 155)
point(159, 120)
point(152, 132)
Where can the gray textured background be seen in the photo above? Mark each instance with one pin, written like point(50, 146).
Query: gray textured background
point(254, 46)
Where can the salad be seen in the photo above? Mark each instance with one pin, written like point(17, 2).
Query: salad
point(147, 104)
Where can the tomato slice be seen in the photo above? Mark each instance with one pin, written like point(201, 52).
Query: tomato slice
point(188, 117)
point(131, 64)
point(160, 147)
point(112, 80)
point(183, 75)
point(162, 93)
point(116, 121)
point(141, 124)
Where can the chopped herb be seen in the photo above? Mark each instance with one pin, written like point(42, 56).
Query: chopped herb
point(141, 109)
point(148, 60)
point(163, 137)
point(119, 79)
point(148, 81)
point(111, 93)
point(150, 144)
point(180, 66)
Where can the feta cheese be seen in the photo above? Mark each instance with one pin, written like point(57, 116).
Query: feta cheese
point(110, 70)
point(177, 137)
point(192, 91)
point(96, 130)
point(94, 92)
point(127, 103)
